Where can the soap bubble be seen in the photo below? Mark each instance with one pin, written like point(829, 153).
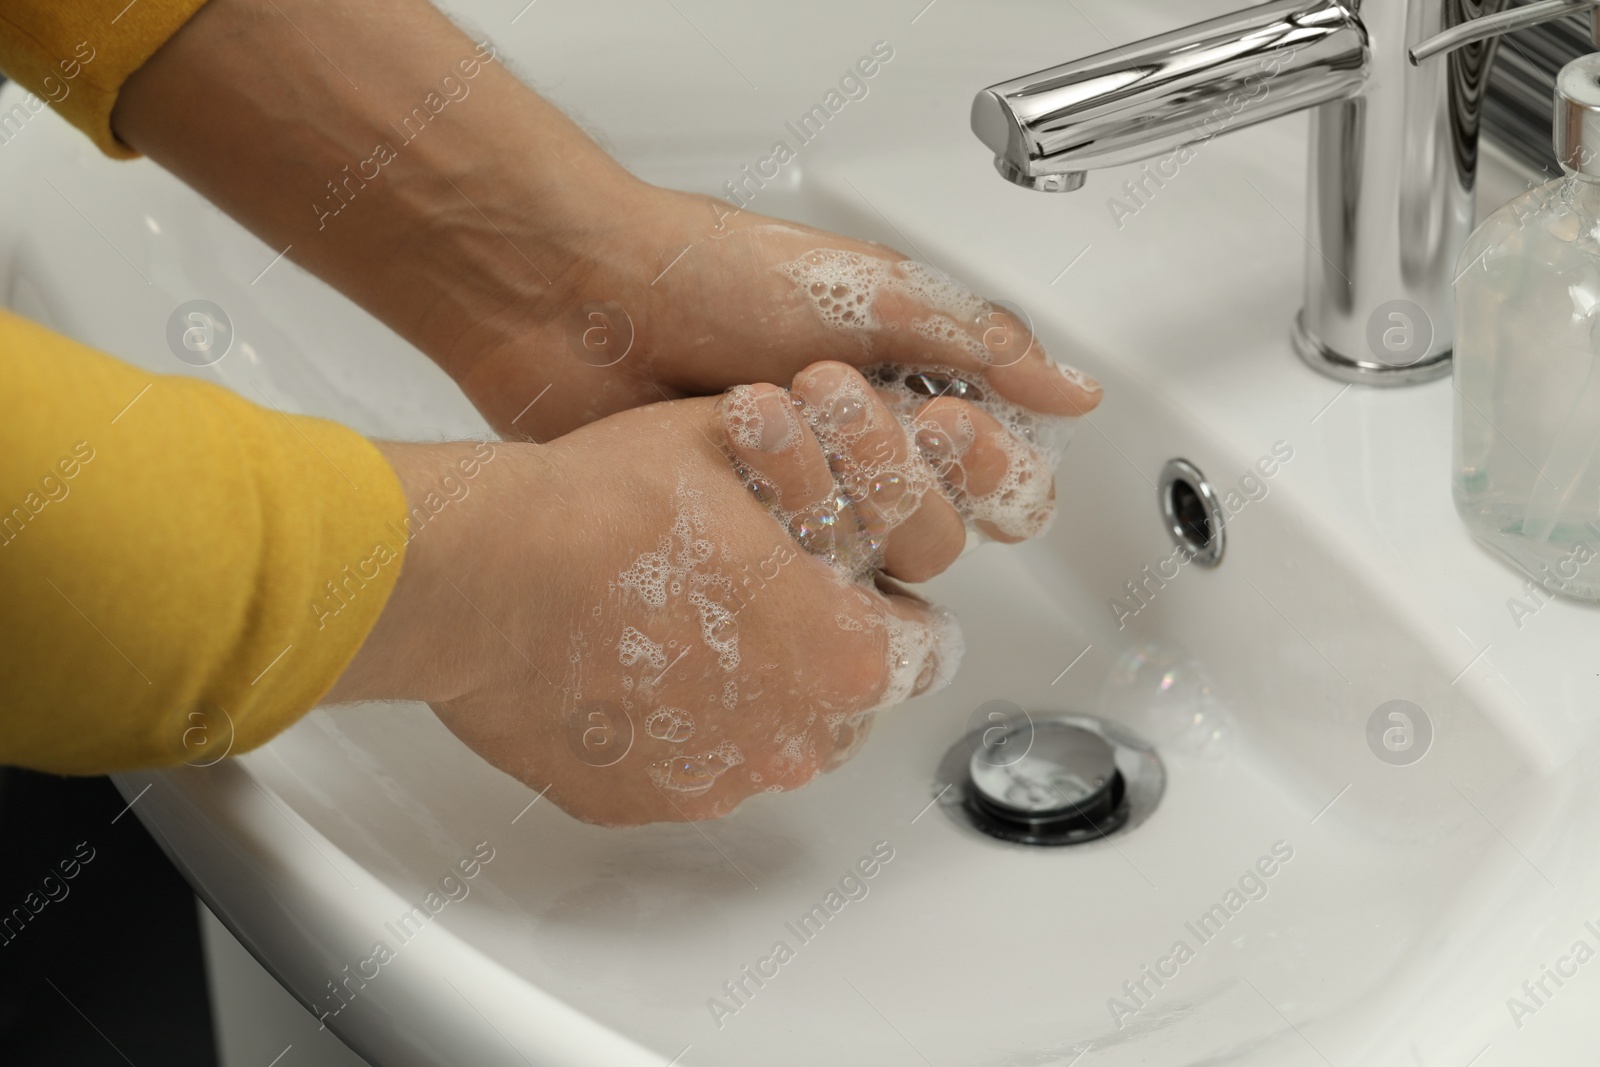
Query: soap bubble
point(844, 287)
point(1162, 693)
point(694, 775)
point(669, 724)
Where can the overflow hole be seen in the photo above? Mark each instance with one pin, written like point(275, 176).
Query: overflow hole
point(1191, 511)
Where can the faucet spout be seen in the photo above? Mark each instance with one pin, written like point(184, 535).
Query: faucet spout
point(1129, 104)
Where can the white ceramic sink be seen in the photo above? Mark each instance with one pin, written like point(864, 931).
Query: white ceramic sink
point(1418, 898)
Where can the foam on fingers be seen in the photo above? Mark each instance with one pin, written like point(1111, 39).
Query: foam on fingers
point(868, 297)
point(845, 288)
point(924, 646)
point(1001, 485)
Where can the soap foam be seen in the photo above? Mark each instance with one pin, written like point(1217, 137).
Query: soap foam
point(634, 647)
point(881, 488)
point(844, 288)
point(744, 420)
point(922, 656)
point(694, 775)
point(673, 570)
point(1020, 504)
point(669, 724)
point(718, 628)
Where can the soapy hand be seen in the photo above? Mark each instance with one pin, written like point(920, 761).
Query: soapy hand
point(868, 472)
point(679, 295)
point(644, 640)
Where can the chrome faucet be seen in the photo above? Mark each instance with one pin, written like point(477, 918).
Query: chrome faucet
point(1394, 147)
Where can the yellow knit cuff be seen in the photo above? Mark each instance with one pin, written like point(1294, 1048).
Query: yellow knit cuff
point(186, 573)
point(334, 516)
point(75, 55)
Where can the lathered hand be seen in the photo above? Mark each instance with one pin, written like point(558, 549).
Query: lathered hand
point(683, 297)
point(615, 617)
point(870, 473)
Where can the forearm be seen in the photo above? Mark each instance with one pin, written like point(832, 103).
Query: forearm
point(389, 153)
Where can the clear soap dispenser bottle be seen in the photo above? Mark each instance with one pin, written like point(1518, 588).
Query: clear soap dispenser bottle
point(1527, 361)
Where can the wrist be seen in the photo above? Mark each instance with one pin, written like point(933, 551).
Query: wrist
point(515, 248)
point(429, 643)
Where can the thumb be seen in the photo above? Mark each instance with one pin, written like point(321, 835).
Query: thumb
point(917, 315)
point(992, 341)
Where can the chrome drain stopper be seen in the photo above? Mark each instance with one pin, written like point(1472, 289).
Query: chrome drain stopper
point(1046, 783)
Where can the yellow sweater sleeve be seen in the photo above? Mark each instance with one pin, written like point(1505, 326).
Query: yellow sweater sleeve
point(182, 573)
point(76, 54)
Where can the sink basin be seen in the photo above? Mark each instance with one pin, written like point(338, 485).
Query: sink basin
point(1416, 884)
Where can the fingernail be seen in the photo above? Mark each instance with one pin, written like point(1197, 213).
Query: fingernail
point(944, 433)
point(845, 411)
point(758, 420)
point(775, 427)
point(1078, 378)
point(830, 395)
point(944, 657)
point(935, 446)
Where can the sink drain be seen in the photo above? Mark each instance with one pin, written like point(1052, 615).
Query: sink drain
point(1057, 780)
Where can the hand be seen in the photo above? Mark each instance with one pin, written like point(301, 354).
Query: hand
point(680, 296)
point(615, 617)
point(873, 475)
point(494, 235)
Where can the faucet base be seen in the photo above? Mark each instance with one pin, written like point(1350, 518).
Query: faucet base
point(1324, 360)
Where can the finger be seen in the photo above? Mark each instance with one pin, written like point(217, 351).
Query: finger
point(950, 325)
point(907, 647)
point(766, 435)
point(848, 735)
point(912, 313)
point(923, 650)
point(785, 467)
point(916, 530)
point(1020, 369)
point(1002, 485)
